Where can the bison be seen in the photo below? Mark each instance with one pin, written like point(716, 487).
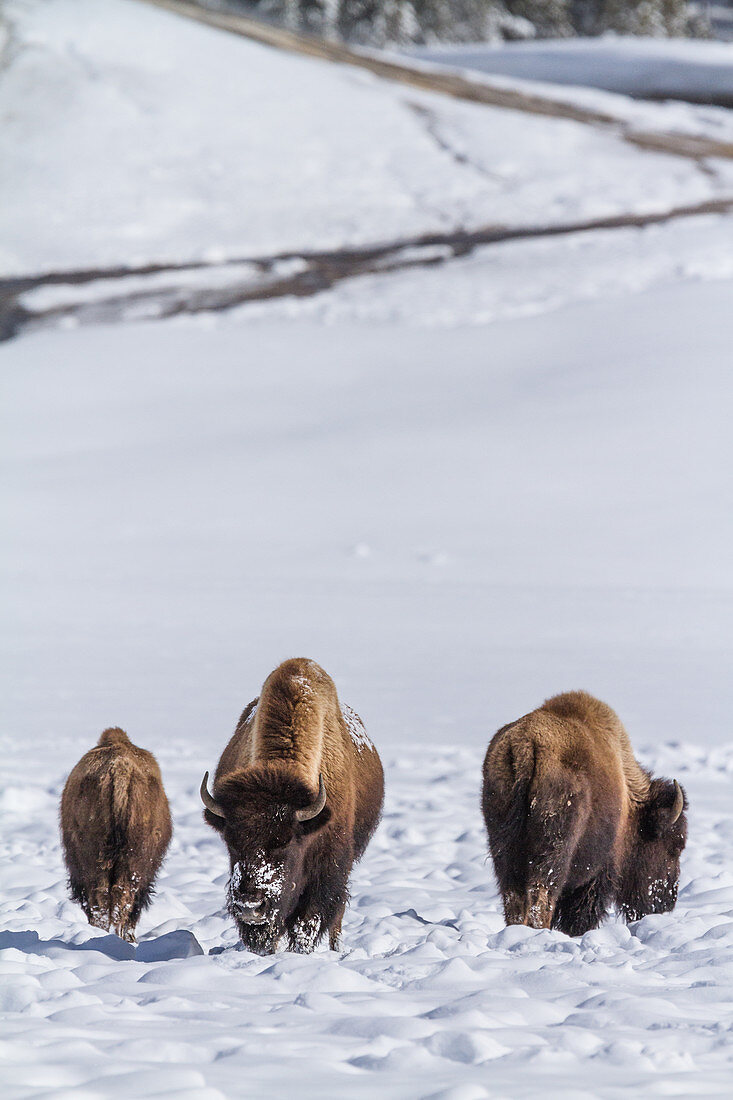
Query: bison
point(115, 831)
point(297, 795)
point(575, 824)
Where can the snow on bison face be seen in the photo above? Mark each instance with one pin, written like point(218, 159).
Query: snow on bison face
point(653, 862)
point(267, 829)
point(663, 835)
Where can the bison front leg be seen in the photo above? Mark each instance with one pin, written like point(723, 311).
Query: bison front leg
point(305, 932)
point(320, 912)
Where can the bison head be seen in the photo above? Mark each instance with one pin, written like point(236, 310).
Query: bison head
point(654, 868)
point(268, 819)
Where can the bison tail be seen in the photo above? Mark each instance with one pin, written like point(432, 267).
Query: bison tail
point(120, 798)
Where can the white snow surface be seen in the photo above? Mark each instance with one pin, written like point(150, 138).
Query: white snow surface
point(430, 996)
point(460, 489)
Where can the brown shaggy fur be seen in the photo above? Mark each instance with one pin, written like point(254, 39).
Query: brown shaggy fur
point(115, 831)
point(575, 824)
point(295, 875)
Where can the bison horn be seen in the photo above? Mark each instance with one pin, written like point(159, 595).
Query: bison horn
point(679, 802)
point(315, 808)
point(208, 800)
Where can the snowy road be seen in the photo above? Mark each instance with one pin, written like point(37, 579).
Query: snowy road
point(158, 290)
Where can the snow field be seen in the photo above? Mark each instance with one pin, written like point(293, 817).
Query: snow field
point(151, 471)
point(430, 996)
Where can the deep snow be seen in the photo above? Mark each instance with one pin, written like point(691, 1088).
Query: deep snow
point(430, 997)
point(460, 489)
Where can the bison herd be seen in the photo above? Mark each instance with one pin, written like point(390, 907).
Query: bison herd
point(575, 825)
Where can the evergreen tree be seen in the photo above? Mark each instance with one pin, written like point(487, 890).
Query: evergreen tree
point(642, 17)
point(381, 22)
point(551, 18)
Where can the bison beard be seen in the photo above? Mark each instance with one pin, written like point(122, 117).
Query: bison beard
point(575, 826)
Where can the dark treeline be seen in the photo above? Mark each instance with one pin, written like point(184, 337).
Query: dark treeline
point(381, 22)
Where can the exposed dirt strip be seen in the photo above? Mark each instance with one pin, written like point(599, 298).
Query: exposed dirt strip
point(456, 84)
point(296, 274)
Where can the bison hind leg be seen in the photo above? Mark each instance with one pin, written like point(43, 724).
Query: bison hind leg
point(533, 867)
point(122, 900)
point(98, 915)
point(98, 908)
point(582, 909)
point(93, 899)
point(128, 899)
point(334, 931)
point(514, 906)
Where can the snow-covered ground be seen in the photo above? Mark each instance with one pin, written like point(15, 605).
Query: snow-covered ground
point(430, 997)
point(670, 68)
point(460, 488)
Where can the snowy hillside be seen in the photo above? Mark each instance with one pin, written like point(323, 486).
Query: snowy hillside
point(461, 487)
point(136, 136)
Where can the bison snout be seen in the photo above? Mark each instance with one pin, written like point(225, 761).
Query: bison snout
point(250, 910)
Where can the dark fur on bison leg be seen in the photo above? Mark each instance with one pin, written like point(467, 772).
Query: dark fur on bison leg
point(320, 910)
point(306, 932)
point(514, 906)
point(580, 910)
point(94, 903)
point(509, 876)
point(131, 907)
point(334, 932)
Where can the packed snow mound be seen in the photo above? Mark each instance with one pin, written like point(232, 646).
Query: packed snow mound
point(169, 140)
